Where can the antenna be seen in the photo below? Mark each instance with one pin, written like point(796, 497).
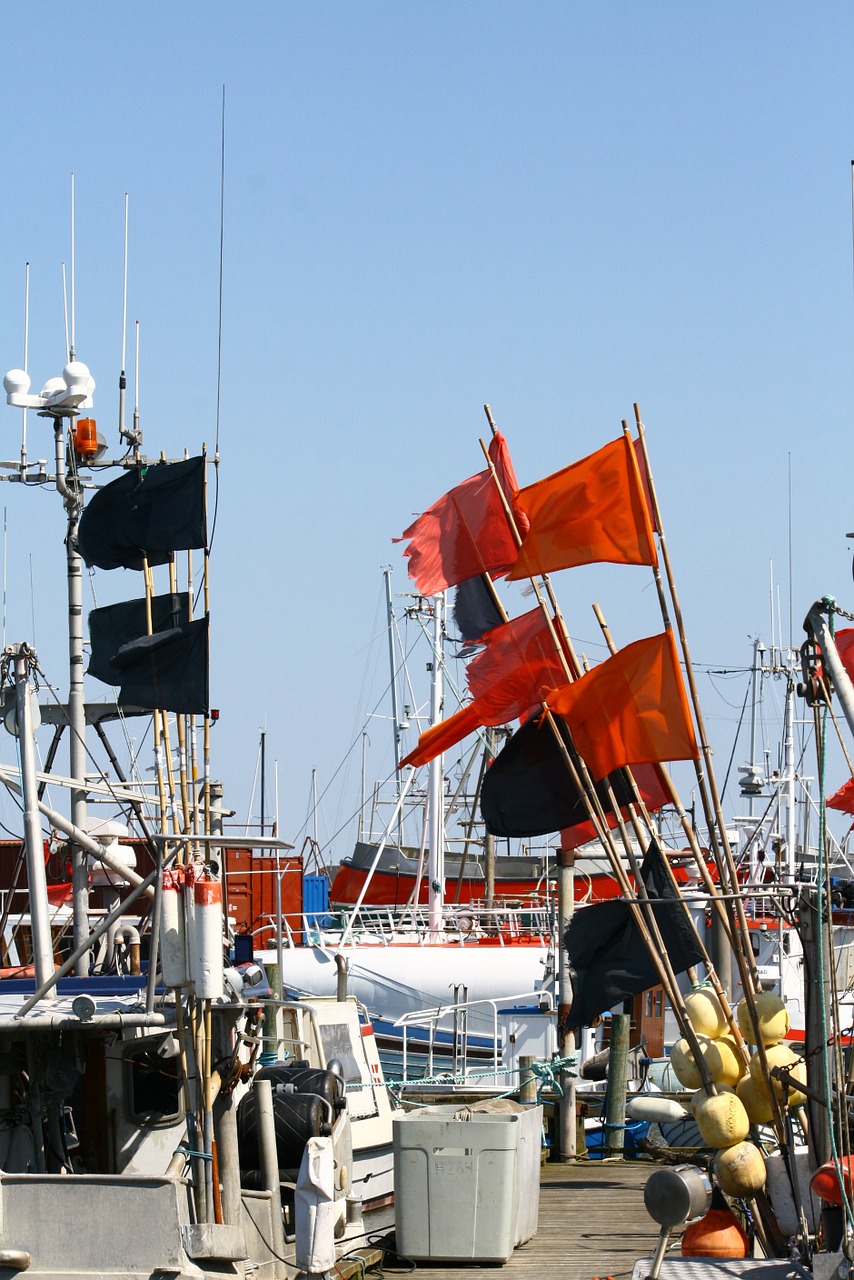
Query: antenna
point(791, 640)
point(122, 378)
point(4, 576)
point(65, 313)
point(221, 243)
point(24, 411)
point(137, 434)
point(72, 351)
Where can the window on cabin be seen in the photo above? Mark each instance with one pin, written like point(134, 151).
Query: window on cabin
point(152, 1085)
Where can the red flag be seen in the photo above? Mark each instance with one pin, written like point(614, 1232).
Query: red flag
point(520, 662)
point(844, 641)
point(649, 783)
point(466, 532)
point(631, 709)
point(843, 799)
point(595, 510)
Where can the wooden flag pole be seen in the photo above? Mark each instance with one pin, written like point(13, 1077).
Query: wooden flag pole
point(156, 715)
point(182, 736)
point(709, 884)
point(194, 762)
point(206, 784)
point(711, 798)
point(637, 899)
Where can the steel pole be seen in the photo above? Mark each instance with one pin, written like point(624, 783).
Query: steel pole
point(33, 839)
point(565, 909)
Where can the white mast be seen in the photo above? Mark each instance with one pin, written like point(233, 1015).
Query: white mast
point(436, 781)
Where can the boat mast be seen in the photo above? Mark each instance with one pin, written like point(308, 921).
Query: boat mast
point(395, 713)
point(72, 499)
point(436, 781)
point(789, 771)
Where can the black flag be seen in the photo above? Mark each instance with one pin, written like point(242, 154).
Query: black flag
point(146, 514)
point(168, 670)
point(527, 790)
point(609, 958)
point(118, 624)
point(475, 610)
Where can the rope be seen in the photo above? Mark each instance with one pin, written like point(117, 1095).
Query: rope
point(545, 1072)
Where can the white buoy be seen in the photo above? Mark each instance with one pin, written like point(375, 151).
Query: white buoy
point(208, 975)
point(173, 954)
point(188, 879)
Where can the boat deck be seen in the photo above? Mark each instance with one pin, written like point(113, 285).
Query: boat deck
point(592, 1223)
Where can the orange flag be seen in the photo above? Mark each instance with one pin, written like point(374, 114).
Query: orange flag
point(591, 511)
point(843, 799)
point(511, 675)
point(466, 532)
point(631, 709)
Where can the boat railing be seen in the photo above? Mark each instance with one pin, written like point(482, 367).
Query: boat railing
point(465, 1068)
point(470, 924)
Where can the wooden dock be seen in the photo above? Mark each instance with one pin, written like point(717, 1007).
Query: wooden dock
point(592, 1223)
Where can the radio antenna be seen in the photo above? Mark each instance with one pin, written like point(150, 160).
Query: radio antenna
point(137, 434)
point(122, 377)
point(26, 357)
point(72, 350)
point(65, 313)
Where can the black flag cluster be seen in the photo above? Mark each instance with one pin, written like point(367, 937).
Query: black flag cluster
point(609, 958)
point(145, 516)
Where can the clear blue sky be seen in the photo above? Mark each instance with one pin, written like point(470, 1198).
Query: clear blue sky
point(558, 208)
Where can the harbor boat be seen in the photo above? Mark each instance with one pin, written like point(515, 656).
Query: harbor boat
point(165, 1111)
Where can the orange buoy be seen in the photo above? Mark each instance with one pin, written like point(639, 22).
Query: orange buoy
point(718, 1235)
point(825, 1181)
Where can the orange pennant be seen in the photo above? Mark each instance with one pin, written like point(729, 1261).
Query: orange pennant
point(631, 709)
point(594, 510)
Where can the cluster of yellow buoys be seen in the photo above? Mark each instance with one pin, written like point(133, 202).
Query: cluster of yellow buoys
point(742, 1096)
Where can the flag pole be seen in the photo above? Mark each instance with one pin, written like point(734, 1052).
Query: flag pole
point(705, 780)
point(206, 783)
point(158, 732)
point(578, 772)
point(637, 898)
point(709, 884)
point(181, 730)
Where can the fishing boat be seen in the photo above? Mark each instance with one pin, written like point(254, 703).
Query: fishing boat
point(164, 1110)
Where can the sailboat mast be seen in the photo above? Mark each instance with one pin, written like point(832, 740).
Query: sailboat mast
point(435, 781)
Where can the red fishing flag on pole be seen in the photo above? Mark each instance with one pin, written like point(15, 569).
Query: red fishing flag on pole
point(631, 709)
point(511, 675)
point(466, 532)
point(843, 799)
point(594, 510)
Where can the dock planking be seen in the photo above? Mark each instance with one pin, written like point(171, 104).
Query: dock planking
point(592, 1223)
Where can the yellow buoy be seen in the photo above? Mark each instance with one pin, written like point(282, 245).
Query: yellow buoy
point(705, 1013)
point(757, 1102)
point(725, 1063)
point(772, 1016)
point(722, 1120)
point(740, 1170)
point(780, 1055)
point(682, 1061)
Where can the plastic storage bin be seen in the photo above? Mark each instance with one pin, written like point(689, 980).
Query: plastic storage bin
point(459, 1183)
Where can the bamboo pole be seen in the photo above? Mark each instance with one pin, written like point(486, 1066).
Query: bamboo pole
point(709, 884)
point(710, 797)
